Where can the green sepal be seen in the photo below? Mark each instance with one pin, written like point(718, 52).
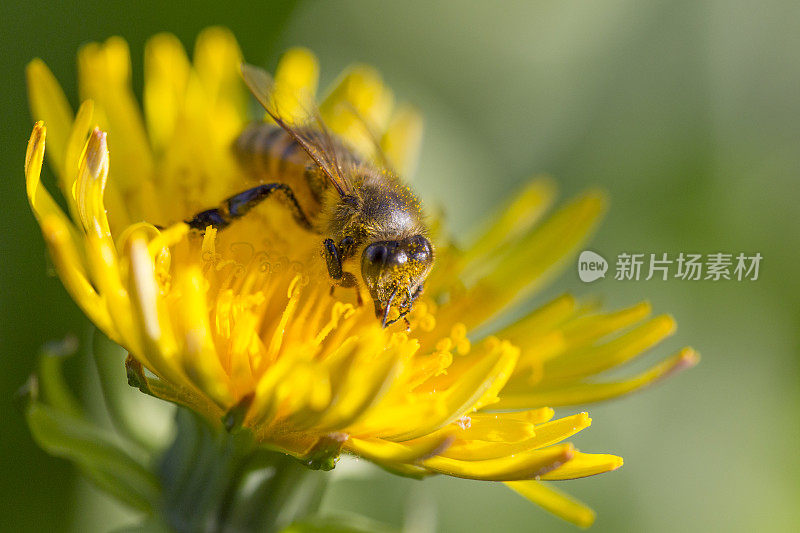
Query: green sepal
point(325, 453)
point(136, 378)
point(72, 437)
point(180, 396)
point(234, 417)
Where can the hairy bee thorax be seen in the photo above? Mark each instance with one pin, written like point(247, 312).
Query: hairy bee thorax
point(379, 208)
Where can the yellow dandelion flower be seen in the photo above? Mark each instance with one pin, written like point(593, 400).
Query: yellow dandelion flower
point(240, 326)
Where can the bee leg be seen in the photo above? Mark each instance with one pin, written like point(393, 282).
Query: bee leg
point(404, 316)
point(349, 280)
point(240, 204)
point(216, 218)
point(346, 247)
point(404, 312)
point(386, 309)
point(333, 259)
point(417, 293)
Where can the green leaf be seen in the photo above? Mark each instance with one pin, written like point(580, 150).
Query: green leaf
point(341, 523)
point(72, 437)
point(52, 386)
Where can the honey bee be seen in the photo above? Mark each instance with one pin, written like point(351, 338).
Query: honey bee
point(362, 209)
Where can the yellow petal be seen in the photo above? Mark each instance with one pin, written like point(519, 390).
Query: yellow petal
point(524, 209)
point(104, 76)
point(360, 396)
point(518, 216)
point(199, 357)
point(475, 387)
point(586, 329)
point(528, 465)
point(222, 335)
point(581, 393)
point(358, 108)
point(584, 465)
point(545, 435)
point(536, 253)
point(296, 79)
point(70, 268)
point(166, 75)
point(595, 359)
point(91, 183)
point(534, 416)
point(558, 430)
point(49, 104)
point(154, 328)
point(217, 60)
point(40, 200)
point(75, 147)
point(145, 289)
point(382, 451)
point(402, 141)
point(540, 321)
point(527, 262)
point(493, 428)
point(104, 266)
point(554, 501)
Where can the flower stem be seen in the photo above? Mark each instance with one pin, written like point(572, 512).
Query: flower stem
point(215, 481)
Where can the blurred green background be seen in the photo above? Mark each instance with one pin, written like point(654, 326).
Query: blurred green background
point(687, 112)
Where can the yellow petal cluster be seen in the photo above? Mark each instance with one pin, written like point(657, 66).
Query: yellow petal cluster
point(240, 325)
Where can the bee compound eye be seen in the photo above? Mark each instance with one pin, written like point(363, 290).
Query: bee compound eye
point(399, 257)
point(376, 253)
point(419, 248)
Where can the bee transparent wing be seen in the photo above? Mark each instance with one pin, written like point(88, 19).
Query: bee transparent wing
point(315, 140)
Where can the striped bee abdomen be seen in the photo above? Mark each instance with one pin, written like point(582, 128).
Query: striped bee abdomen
point(270, 154)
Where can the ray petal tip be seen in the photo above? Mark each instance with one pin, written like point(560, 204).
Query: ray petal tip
point(35, 150)
point(688, 358)
point(97, 151)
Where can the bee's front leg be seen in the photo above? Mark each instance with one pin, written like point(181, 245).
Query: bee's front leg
point(333, 259)
point(240, 204)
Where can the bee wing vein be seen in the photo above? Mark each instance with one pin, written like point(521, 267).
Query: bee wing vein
point(319, 144)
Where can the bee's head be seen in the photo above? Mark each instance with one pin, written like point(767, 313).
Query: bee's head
point(394, 271)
